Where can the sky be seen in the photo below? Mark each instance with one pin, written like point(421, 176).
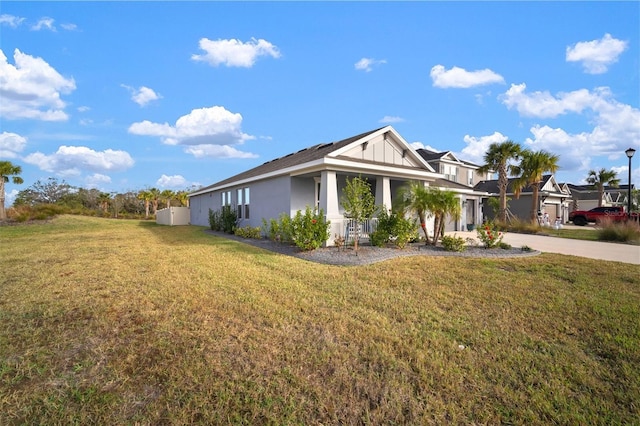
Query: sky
point(124, 96)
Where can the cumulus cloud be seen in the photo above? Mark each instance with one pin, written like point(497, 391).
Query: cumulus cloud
point(11, 144)
point(10, 20)
point(205, 131)
point(32, 89)
point(391, 119)
point(45, 23)
point(234, 53)
point(460, 78)
point(544, 104)
point(596, 55)
point(143, 95)
point(420, 145)
point(97, 179)
point(175, 181)
point(73, 160)
point(366, 64)
point(478, 146)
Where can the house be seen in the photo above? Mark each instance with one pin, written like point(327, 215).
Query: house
point(585, 197)
point(553, 199)
point(315, 176)
point(453, 169)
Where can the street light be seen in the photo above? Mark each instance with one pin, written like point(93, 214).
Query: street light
point(629, 153)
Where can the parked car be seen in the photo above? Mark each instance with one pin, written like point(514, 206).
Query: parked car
point(616, 214)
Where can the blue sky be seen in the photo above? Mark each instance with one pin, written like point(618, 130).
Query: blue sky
point(125, 96)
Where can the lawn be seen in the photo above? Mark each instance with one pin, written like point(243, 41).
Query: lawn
point(126, 322)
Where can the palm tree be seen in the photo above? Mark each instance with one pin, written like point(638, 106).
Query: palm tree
point(533, 165)
point(8, 170)
point(183, 198)
point(443, 204)
point(147, 197)
point(601, 178)
point(167, 196)
point(415, 198)
point(155, 196)
point(496, 160)
point(103, 201)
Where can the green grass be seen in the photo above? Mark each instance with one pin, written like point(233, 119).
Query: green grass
point(127, 322)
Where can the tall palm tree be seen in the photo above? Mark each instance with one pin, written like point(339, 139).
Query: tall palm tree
point(103, 201)
point(167, 196)
point(598, 179)
point(496, 159)
point(147, 197)
point(533, 165)
point(8, 172)
point(183, 198)
point(155, 197)
point(415, 198)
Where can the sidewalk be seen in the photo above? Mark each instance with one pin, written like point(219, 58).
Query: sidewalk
point(616, 252)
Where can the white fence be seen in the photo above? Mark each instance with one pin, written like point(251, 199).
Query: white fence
point(363, 230)
point(173, 216)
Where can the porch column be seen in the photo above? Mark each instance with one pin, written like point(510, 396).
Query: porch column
point(329, 203)
point(383, 192)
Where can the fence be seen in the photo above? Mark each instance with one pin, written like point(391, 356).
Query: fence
point(173, 216)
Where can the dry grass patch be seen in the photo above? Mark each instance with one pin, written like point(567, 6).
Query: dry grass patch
point(122, 322)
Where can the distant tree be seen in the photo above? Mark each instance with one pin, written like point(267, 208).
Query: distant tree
point(8, 172)
point(359, 203)
point(104, 199)
point(533, 165)
point(147, 197)
point(496, 159)
point(599, 179)
point(50, 192)
point(155, 198)
point(167, 196)
point(183, 198)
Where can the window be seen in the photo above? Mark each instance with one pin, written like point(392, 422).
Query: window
point(449, 172)
point(226, 198)
point(246, 203)
point(317, 197)
point(470, 177)
point(239, 204)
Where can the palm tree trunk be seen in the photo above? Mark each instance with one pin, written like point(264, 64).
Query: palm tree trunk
point(535, 203)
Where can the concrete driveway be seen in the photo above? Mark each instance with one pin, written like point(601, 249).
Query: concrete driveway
point(616, 252)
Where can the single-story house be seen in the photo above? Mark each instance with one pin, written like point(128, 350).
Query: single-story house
point(315, 176)
point(585, 197)
point(554, 199)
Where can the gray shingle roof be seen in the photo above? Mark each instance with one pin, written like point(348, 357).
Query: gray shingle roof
point(302, 156)
point(491, 186)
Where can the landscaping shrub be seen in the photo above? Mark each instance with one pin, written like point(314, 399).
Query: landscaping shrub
point(249, 232)
point(224, 220)
point(490, 235)
point(627, 231)
point(453, 243)
point(310, 230)
point(393, 227)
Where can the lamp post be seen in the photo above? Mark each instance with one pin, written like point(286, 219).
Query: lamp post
point(629, 153)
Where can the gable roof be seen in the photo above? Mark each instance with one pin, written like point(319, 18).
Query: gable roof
point(429, 156)
point(311, 154)
point(491, 186)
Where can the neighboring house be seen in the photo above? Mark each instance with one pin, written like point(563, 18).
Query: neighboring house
point(585, 197)
point(316, 176)
point(553, 199)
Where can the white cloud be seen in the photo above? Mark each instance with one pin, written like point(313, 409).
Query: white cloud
point(545, 105)
point(69, 27)
point(596, 55)
point(478, 146)
point(460, 78)
point(143, 95)
point(11, 144)
point(97, 179)
point(32, 88)
point(206, 131)
point(10, 20)
point(83, 109)
point(44, 23)
point(10, 197)
point(234, 53)
point(175, 181)
point(420, 145)
point(72, 160)
point(391, 119)
point(366, 64)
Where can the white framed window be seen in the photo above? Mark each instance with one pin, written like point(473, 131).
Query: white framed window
point(317, 193)
point(247, 201)
point(470, 177)
point(239, 202)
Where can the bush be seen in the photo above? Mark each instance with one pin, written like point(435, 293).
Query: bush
point(249, 232)
point(453, 243)
point(307, 231)
point(618, 231)
point(224, 220)
point(393, 227)
point(490, 235)
point(43, 211)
